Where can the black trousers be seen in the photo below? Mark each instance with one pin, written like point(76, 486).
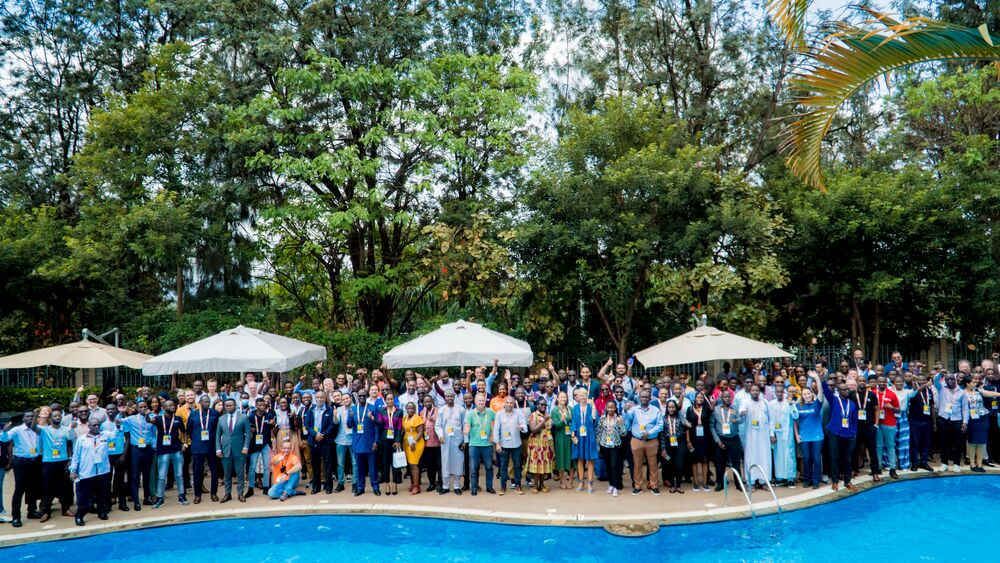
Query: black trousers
point(465, 462)
point(56, 484)
point(386, 472)
point(841, 466)
point(952, 440)
point(430, 462)
point(142, 464)
point(199, 461)
point(730, 454)
point(672, 470)
point(27, 484)
point(119, 490)
point(322, 466)
point(625, 458)
point(93, 495)
point(614, 465)
point(868, 442)
point(920, 442)
point(187, 468)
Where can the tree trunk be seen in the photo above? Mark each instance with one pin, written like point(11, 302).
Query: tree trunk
point(180, 290)
point(859, 327)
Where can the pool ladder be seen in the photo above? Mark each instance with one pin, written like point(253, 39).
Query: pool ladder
point(745, 489)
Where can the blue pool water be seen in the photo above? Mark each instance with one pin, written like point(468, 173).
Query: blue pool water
point(927, 520)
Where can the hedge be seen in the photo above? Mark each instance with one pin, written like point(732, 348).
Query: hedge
point(20, 399)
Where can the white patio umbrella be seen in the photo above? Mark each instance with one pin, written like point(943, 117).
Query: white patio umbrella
point(237, 350)
point(704, 344)
point(84, 354)
point(460, 344)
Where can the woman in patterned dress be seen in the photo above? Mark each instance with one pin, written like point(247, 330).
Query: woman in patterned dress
point(541, 451)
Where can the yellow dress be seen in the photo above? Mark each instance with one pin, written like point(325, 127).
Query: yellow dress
point(410, 425)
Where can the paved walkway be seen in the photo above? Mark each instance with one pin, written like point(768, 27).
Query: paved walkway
point(628, 515)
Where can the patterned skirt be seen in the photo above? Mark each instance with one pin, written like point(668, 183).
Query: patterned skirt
point(903, 440)
point(541, 453)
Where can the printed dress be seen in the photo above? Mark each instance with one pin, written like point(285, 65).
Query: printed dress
point(541, 450)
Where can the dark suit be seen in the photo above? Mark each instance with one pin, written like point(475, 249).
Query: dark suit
point(231, 438)
point(203, 451)
point(322, 450)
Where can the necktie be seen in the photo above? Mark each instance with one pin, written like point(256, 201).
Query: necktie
point(231, 423)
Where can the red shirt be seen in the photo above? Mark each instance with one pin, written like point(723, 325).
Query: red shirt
point(887, 397)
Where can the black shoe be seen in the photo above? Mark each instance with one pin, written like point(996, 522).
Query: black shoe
point(458, 492)
point(79, 521)
point(358, 493)
point(926, 467)
point(490, 491)
point(137, 506)
point(328, 491)
point(102, 516)
point(34, 515)
point(17, 522)
point(465, 487)
point(431, 488)
point(377, 492)
point(314, 492)
point(893, 474)
point(710, 483)
point(656, 492)
point(158, 503)
point(123, 507)
point(249, 493)
point(441, 490)
point(636, 492)
point(147, 501)
point(340, 487)
point(475, 492)
point(183, 500)
point(718, 488)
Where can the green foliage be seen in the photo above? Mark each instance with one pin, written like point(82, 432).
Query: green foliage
point(18, 400)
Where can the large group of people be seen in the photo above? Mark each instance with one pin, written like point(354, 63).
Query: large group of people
point(492, 431)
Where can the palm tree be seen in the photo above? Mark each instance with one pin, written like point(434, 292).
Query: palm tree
point(849, 56)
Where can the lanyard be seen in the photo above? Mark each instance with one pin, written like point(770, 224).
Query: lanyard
point(725, 414)
point(697, 413)
point(201, 419)
point(361, 413)
point(864, 406)
point(429, 414)
point(846, 411)
point(163, 422)
point(925, 396)
point(672, 421)
point(258, 421)
point(881, 400)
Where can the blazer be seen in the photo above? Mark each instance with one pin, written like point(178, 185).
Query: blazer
point(326, 426)
point(232, 443)
point(194, 428)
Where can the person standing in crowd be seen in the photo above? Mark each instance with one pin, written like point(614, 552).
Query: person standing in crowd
point(562, 438)
point(232, 445)
point(319, 422)
point(55, 441)
point(673, 445)
point(507, 428)
point(541, 452)
point(413, 432)
point(978, 427)
point(169, 447)
point(645, 422)
point(478, 430)
point(286, 469)
point(112, 425)
point(430, 462)
point(26, 465)
point(867, 404)
point(364, 435)
point(953, 420)
point(843, 430)
point(141, 435)
point(923, 421)
point(343, 441)
point(699, 418)
point(584, 437)
point(202, 426)
point(726, 421)
point(888, 406)
point(449, 426)
point(784, 412)
point(262, 432)
point(390, 421)
point(759, 437)
point(809, 434)
point(904, 393)
point(90, 469)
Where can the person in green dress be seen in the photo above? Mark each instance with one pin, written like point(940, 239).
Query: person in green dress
point(562, 432)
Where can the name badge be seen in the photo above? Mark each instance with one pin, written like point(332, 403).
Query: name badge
point(167, 439)
point(142, 442)
point(259, 439)
point(948, 407)
point(608, 443)
point(506, 433)
point(482, 434)
point(862, 415)
point(927, 409)
point(361, 427)
point(994, 403)
point(755, 423)
point(583, 431)
point(449, 431)
point(112, 445)
point(568, 431)
point(390, 434)
point(305, 432)
point(844, 422)
point(427, 436)
point(777, 426)
point(642, 428)
point(204, 435)
point(881, 415)
point(673, 440)
point(56, 453)
point(33, 451)
point(725, 428)
point(699, 431)
point(974, 415)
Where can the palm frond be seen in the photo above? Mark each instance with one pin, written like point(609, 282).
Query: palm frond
point(790, 15)
point(850, 57)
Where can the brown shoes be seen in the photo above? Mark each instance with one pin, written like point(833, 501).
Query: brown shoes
point(851, 487)
point(197, 500)
point(836, 486)
point(241, 498)
point(45, 518)
point(226, 498)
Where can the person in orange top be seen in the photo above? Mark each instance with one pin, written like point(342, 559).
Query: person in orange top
point(285, 470)
point(496, 403)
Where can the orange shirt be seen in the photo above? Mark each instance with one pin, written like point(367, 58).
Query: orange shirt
point(279, 461)
point(496, 403)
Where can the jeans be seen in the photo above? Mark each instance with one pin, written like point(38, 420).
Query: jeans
point(254, 456)
point(163, 464)
point(614, 463)
point(479, 454)
point(506, 456)
point(343, 453)
point(812, 462)
point(287, 486)
point(887, 446)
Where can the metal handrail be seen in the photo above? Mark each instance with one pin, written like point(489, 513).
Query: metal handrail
point(743, 487)
point(767, 482)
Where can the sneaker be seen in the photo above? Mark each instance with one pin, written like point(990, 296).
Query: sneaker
point(614, 492)
point(944, 468)
point(656, 492)
point(158, 503)
point(636, 492)
point(183, 500)
point(791, 484)
point(610, 488)
point(697, 489)
point(956, 468)
point(826, 479)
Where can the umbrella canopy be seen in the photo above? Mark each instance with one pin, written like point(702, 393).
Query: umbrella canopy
point(460, 344)
point(237, 350)
point(704, 344)
point(84, 354)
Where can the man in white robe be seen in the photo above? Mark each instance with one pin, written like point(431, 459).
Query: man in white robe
point(449, 425)
point(783, 413)
point(759, 436)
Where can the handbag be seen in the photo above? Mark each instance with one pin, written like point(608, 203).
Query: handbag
point(398, 460)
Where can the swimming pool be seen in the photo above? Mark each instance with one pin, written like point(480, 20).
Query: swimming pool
point(931, 519)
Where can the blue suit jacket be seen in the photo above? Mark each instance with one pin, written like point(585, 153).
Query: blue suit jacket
point(326, 426)
point(362, 442)
point(194, 431)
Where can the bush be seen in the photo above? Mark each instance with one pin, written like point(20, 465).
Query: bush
point(13, 399)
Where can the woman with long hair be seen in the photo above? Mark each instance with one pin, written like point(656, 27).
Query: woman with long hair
point(562, 432)
point(413, 429)
point(584, 438)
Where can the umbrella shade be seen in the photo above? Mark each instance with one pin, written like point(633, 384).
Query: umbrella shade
point(237, 350)
point(84, 354)
point(460, 344)
point(705, 344)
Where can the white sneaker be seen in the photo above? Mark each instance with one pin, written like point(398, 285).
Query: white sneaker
point(614, 492)
point(956, 468)
point(610, 488)
point(943, 468)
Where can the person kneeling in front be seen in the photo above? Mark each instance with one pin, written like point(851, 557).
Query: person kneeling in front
point(285, 472)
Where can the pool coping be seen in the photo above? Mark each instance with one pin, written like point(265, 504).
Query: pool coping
point(624, 525)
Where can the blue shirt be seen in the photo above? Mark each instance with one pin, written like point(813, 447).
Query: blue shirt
point(116, 441)
point(142, 433)
point(649, 418)
point(839, 410)
point(25, 441)
point(90, 456)
point(55, 442)
point(360, 419)
point(953, 404)
point(811, 421)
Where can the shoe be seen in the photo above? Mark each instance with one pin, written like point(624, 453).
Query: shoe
point(944, 468)
point(241, 498)
point(226, 499)
point(250, 493)
point(458, 492)
point(183, 500)
point(475, 492)
point(215, 498)
point(791, 484)
point(79, 521)
point(431, 488)
point(503, 491)
point(851, 487)
point(656, 492)
point(34, 515)
point(16, 522)
point(893, 474)
point(490, 490)
point(158, 503)
point(978, 469)
point(718, 488)
point(340, 488)
point(137, 506)
point(835, 487)
point(926, 467)
point(442, 490)
point(149, 502)
point(610, 488)
point(519, 490)
point(988, 463)
point(358, 493)
point(197, 500)
point(636, 492)
point(614, 492)
point(956, 468)
point(815, 486)
point(696, 489)
point(314, 492)
point(377, 492)
point(123, 507)
point(102, 516)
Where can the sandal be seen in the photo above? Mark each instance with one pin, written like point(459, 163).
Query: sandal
point(590, 487)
